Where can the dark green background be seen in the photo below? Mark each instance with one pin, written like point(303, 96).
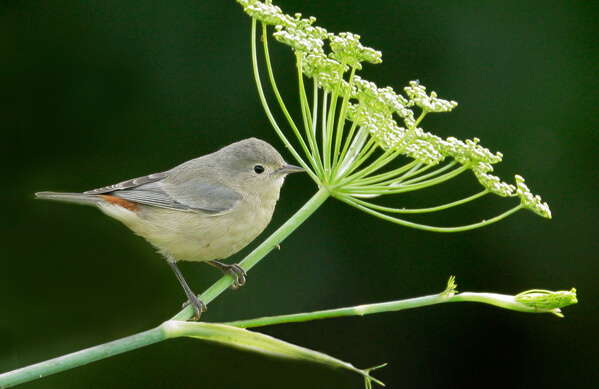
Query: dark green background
point(94, 92)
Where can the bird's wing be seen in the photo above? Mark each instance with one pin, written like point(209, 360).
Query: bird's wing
point(205, 195)
point(192, 195)
point(129, 184)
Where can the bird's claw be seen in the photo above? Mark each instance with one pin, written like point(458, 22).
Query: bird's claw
point(238, 275)
point(198, 307)
point(234, 270)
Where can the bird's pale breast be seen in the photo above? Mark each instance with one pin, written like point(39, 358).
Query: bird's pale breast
point(196, 236)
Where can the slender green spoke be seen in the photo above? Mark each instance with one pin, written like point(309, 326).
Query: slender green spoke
point(391, 176)
point(353, 145)
point(314, 127)
point(303, 99)
point(425, 227)
point(402, 187)
point(267, 108)
point(310, 123)
point(323, 124)
point(283, 107)
point(400, 184)
point(380, 162)
point(437, 173)
point(421, 210)
point(368, 147)
point(326, 151)
point(349, 139)
point(332, 131)
point(341, 122)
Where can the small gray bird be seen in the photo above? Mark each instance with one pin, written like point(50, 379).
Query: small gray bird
point(205, 209)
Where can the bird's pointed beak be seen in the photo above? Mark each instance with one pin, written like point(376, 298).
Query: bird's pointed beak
point(287, 169)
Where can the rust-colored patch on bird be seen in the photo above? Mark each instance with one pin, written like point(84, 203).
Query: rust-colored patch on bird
point(130, 205)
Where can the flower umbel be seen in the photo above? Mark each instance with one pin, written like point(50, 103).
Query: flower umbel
point(353, 132)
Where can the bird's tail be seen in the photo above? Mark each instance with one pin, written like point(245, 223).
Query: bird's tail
point(79, 198)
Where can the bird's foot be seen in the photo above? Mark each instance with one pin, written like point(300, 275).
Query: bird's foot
point(198, 307)
point(233, 270)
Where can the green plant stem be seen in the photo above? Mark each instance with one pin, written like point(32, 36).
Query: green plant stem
point(82, 357)
point(352, 311)
point(158, 334)
point(498, 300)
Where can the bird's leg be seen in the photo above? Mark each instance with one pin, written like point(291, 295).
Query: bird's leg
point(197, 304)
point(233, 270)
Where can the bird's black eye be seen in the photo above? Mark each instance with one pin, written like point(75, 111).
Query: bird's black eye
point(259, 169)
